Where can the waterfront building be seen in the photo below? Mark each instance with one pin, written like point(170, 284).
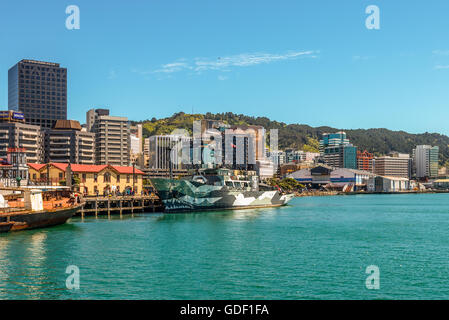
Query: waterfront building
point(365, 160)
point(393, 166)
point(14, 169)
point(17, 134)
point(355, 179)
point(425, 161)
point(39, 90)
point(89, 179)
point(68, 143)
point(388, 184)
point(337, 178)
point(441, 184)
point(112, 137)
point(288, 168)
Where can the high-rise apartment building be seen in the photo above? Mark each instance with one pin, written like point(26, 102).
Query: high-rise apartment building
point(337, 151)
point(393, 166)
point(136, 139)
point(365, 160)
point(14, 133)
point(112, 137)
point(136, 145)
point(39, 90)
point(333, 140)
point(165, 148)
point(67, 143)
point(425, 161)
point(146, 152)
point(278, 157)
point(342, 156)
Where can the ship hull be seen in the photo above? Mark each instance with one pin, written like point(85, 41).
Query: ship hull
point(39, 219)
point(186, 196)
point(5, 226)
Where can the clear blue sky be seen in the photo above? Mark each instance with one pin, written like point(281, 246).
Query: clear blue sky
point(311, 62)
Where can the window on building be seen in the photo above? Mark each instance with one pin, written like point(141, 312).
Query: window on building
point(127, 178)
point(95, 178)
point(118, 178)
point(107, 177)
point(83, 177)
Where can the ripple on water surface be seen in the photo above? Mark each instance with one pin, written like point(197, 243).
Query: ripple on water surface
point(315, 248)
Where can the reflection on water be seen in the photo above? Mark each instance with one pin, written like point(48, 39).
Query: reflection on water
point(36, 250)
point(4, 263)
point(28, 272)
point(35, 262)
point(244, 214)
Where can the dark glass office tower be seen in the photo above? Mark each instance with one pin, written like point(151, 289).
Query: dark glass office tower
point(39, 90)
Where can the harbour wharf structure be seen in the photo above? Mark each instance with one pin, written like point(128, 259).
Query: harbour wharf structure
point(108, 205)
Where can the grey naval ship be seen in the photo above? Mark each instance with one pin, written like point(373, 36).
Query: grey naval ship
point(217, 189)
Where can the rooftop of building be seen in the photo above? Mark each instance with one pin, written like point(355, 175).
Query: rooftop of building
point(53, 64)
point(357, 171)
point(67, 125)
point(402, 157)
point(395, 178)
point(85, 168)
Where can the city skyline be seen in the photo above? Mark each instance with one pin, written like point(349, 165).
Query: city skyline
point(148, 60)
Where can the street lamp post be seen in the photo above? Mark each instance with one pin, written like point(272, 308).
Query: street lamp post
point(134, 176)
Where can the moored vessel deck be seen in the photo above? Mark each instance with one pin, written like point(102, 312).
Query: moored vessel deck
point(28, 210)
point(217, 189)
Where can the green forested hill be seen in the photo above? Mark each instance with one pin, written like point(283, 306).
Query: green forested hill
point(300, 136)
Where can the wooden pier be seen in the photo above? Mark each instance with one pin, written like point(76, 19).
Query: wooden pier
point(107, 205)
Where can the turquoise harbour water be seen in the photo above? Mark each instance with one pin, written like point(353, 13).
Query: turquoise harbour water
point(315, 248)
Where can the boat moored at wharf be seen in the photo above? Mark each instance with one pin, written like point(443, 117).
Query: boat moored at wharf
point(217, 189)
point(26, 208)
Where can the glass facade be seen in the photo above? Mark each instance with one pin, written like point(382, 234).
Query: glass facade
point(350, 157)
point(13, 88)
point(433, 161)
point(39, 90)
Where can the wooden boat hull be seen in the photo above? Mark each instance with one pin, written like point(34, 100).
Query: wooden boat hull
point(40, 219)
point(5, 226)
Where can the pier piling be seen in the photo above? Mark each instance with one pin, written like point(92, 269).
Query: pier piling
point(119, 205)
